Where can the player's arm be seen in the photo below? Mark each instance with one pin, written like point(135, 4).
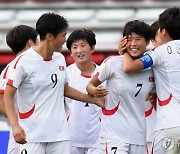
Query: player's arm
point(2, 109)
point(77, 95)
point(95, 89)
point(132, 66)
point(18, 132)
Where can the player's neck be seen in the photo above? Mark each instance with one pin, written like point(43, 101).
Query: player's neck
point(86, 69)
point(44, 51)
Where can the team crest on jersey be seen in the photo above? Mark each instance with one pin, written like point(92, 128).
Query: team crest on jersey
point(61, 68)
point(151, 79)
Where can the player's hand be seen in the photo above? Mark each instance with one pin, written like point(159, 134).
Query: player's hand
point(100, 101)
point(100, 91)
point(122, 45)
point(19, 134)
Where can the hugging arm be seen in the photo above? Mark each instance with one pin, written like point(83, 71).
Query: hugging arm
point(130, 65)
point(95, 89)
point(77, 95)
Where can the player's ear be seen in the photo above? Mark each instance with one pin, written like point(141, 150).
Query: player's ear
point(30, 42)
point(93, 49)
point(49, 36)
point(147, 43)
point(164, 32)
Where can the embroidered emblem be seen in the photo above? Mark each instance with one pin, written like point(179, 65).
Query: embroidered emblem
point(61, 68)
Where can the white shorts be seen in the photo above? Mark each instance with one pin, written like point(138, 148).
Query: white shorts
point(12, 150)
point(112, 146)
point(167, 141)
point(13, 146)
point(82, 150)
point(61, 147)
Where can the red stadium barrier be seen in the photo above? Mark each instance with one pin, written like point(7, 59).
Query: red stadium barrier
point(48, 1)
point(97, 57)
point(12, 1)
point(5, 58)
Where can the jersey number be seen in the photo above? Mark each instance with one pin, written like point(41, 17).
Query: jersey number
point(170, 50)
point(114, 149)
point(86, 105)
point(54, 79)
point(24, 151)
point(139, 87)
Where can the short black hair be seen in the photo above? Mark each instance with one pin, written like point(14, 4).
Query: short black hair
point(139, 27)
point(170, 20)
point(51, 23)
point(154, 28)
point(82, 34)
point(17, 37)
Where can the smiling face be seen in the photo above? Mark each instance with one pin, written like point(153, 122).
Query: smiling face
point(58, 41)
point(136, 45)
point(81, 51)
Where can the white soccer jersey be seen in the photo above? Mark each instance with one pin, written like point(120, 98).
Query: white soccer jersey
point(150, 115)
point(40, 96)
point(166, 68)
point(3, 79)
point(6, 72)
point(84, 118)
point(4, 76)
point(124, 113)
point(3, 82)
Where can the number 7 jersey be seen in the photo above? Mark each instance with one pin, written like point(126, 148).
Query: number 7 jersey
point(124, 113)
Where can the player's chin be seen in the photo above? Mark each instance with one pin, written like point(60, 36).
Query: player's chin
point(134, 55)
point(59, 50)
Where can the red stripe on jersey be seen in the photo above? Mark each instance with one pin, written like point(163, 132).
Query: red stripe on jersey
point(86, 76)
point(148, 112)
point(10, 82)
point(17, 61)
point(165, 102)
point(27, 114)
point(68, 117)
point(110, 112)
point(147, 151)
point(152, 149)
point(107, 59)
point(152, 152)
point(1, 91)
point(106, 149)
point(5, 73)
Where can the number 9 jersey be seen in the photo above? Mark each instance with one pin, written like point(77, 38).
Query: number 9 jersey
point(40, 96)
